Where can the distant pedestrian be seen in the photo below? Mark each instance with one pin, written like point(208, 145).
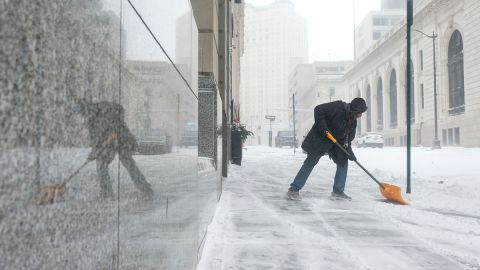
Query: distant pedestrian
point(340, 119)
point(110, 135)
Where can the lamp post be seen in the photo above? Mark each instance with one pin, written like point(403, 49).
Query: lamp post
point(409, 90)
point(271, 118)
point(436, 141)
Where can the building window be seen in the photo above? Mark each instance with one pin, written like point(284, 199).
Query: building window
point(422, 95)
point(376, 35)
point(403, 140)
point(456, 132)
point(332, 92)
point(456, 92)
point(369, 112)
point(421, 59)
point(379, 105)
point(393, 99)
point(390, 141)
point(380, 21)
point(451, 136)
point(444, 136)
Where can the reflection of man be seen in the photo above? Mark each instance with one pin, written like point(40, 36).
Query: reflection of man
point(108, 135)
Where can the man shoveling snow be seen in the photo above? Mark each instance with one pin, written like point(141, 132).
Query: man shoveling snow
point(340, 119)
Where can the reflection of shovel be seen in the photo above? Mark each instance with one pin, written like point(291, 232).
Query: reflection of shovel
point(56, 192)
point(389, 191)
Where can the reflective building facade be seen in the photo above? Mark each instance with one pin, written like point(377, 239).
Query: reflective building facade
point(99, 164)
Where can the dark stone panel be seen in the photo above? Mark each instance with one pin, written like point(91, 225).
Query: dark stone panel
point(53, 53)
point(90, 97)
point(207, 108)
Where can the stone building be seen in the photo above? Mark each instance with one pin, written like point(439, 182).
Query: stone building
point(379, 77)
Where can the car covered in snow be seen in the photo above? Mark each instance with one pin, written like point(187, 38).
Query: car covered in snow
point(285, 138)
point(370, 139)
point(153, 141)
point(189, 138)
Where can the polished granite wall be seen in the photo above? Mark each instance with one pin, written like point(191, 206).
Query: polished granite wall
point(134, 63)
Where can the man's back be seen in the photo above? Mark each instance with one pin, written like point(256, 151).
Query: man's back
point(106, 118)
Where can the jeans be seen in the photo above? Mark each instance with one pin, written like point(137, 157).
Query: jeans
point(306, 169)
point(129, 163)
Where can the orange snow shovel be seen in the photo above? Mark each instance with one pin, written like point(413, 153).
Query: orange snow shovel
point(56, 192)
point(389, 191)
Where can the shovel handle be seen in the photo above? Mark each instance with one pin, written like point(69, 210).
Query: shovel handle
point(76, 172)
point(330, 136)
point(104, 145)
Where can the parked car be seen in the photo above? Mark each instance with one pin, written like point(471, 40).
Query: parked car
point(284, 138)
point(370, 139)
point(189, 138)
point(153, 141)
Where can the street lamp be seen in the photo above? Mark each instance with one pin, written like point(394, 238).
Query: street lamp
point(436, 141)
point(271, 118)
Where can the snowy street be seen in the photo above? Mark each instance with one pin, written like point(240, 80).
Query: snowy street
point(255, 227)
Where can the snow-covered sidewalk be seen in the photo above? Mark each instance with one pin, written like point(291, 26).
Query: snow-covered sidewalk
point(255, 227)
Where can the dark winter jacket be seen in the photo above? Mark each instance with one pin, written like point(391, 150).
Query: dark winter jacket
point(336, 118)
point(103, 120)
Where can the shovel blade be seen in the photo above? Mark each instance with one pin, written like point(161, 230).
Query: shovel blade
point(392, 193)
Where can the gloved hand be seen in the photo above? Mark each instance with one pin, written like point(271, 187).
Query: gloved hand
point(110, 139)
point(351, 155)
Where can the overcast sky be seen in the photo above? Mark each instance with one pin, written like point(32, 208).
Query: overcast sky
point(330, 24)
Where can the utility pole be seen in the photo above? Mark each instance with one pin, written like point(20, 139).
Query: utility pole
point(409, 88)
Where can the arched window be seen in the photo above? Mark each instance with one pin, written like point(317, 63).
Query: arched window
point(393, 99)
point(379, 105)
point(369, 111)
point(456, 92)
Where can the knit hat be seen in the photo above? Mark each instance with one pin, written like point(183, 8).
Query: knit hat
point(358, 105)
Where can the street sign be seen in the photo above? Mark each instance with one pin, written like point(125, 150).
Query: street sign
point(270, 117)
